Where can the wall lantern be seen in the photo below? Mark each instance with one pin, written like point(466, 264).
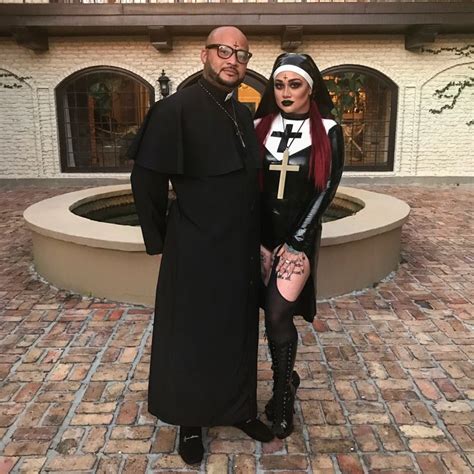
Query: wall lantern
point(164, 81)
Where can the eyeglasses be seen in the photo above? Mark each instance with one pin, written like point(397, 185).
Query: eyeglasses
point(225, 52)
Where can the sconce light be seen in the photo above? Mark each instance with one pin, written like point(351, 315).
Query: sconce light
point(164, 81)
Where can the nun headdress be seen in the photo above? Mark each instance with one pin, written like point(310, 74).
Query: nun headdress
point(303, 65)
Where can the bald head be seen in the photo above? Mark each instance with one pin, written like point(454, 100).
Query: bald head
point(222, 33)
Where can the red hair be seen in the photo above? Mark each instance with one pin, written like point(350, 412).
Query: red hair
point(320, 160)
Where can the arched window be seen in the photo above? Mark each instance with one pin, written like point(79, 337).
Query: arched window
point(99, 112)
point(366, 106)
point(249, 92)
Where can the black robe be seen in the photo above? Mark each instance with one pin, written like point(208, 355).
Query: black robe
point(204, 350)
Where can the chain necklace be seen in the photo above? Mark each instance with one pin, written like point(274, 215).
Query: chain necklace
point(234, 118)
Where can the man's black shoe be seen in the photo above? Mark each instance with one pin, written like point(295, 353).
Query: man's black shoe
point(190, 447)
point(256, 430)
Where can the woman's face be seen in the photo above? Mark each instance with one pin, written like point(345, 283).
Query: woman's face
point(292, 93)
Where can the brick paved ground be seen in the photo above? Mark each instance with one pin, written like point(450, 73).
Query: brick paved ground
point(387, 374)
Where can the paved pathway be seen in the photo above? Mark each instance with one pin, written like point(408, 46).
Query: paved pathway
point(387, 386)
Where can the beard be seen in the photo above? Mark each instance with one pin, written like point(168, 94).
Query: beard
point(215, 77)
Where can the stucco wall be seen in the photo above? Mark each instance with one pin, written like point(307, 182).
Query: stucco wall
point(426, 144)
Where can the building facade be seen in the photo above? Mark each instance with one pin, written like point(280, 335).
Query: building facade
point(71, 101)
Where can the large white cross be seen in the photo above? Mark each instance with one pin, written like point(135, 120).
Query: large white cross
point(283, 169)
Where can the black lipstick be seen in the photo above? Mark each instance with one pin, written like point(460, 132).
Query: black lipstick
point(286, 103)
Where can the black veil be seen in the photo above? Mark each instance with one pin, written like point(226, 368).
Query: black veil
point(319, 94)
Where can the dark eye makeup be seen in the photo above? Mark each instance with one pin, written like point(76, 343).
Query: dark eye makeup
point(293, 83)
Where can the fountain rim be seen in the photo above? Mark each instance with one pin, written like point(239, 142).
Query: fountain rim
point(53, 217)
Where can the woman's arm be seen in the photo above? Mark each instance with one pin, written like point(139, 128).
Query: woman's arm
point(301, 238)
point(150, 192)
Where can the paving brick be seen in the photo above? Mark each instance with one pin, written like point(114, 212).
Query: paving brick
point(430, 445)
point(167, 462)
point(455, 463)
point(95, 439)
point(312, 412)
point(135, 465)
point(322, 464)
point(56, 414)
point(388, 461)
point(35, 434)
point(428, 389)
point(390, 438)
point(244, 464)
point(7, 390)
point(464, 436)
point(128, 413)
point(448, 389)
point(283, 462)
point(430, 464)
point(232, 446)
point(70, 441)
point(71, 463)
point(26, 448)
point(7, 463)
point(330, 439)
point(27, 392)
point(109, 464)
point(349, 464)
point(91, 419)
point(421, 431)
point(364, 436)
point(165, 440)
point(131, 432)
point(127, 446)
point(32, 465)
point(274, 446)
point(295, 444)
point(217, 463)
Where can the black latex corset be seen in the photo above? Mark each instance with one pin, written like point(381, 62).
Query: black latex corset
point(296, 219)
point(279, 215)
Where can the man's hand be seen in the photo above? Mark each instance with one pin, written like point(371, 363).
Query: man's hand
point(266, 262)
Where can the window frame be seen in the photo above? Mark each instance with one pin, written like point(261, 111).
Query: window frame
point(389, 165)
point(60, 92)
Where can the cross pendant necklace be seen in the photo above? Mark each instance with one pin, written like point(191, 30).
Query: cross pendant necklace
point(237, 130)
point(234, 119)
point(285, 166)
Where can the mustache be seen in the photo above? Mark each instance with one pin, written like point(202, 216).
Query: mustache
point(231, 68)
point(286, 103)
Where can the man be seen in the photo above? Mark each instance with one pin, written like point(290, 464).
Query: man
point(204, 349)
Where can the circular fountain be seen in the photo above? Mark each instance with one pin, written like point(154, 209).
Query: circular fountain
point(88, 242)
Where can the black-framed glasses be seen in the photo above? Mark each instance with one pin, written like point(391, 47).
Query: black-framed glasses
point(225, 52)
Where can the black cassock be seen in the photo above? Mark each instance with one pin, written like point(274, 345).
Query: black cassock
point(204, 350)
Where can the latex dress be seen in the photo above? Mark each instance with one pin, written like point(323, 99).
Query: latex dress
point(296, 219)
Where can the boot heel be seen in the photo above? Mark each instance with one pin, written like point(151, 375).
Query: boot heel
point(269, 409)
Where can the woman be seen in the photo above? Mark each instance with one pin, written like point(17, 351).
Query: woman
point(303, 157)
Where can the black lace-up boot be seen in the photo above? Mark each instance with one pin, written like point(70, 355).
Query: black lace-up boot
point(283, 361)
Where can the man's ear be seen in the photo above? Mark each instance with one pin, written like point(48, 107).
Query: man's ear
point(204, 52)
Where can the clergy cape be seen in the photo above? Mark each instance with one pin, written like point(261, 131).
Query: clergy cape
point(203, 369)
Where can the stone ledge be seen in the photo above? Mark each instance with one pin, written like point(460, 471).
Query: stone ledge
point(53, 218)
